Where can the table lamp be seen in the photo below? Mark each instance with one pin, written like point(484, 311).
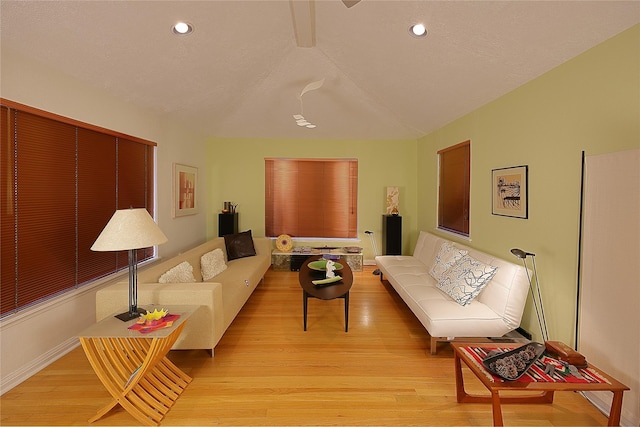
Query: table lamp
point(130, 230)
point(537, 302)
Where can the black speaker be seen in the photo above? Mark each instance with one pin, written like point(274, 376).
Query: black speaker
point(227, 223)
point(392, 234)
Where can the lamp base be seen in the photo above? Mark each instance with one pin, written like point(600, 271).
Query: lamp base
point(126, 316)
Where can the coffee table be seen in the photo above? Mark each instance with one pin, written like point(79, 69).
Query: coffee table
point(545, 389)
point(328, 292)
point(133, 366)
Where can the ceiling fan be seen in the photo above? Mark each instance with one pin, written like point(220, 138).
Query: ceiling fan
point(303, 13)
point(350, 3)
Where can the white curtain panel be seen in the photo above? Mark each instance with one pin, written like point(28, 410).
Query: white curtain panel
point(609, 323)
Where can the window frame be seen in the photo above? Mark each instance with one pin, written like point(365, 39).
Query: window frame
point(134, 168)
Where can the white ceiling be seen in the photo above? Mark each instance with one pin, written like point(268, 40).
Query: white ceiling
point(240, 73)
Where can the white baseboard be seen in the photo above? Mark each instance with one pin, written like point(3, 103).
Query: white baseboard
point(26, 371)
point(602, 401)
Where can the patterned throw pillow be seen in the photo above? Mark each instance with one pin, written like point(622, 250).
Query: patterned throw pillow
point(466, 279)
point(181, 273)
point(212, 263)
point(447, 256)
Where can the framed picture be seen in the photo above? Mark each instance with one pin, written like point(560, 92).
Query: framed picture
point(510, 192)
point(185, 183)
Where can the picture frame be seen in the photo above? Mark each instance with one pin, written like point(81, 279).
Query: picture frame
point(510, 192)
point(185, 184)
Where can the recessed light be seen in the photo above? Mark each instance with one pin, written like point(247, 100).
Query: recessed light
point(182, 28)
point(418, 30)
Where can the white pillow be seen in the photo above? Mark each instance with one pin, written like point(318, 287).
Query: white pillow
point(447, 256)
point(181, 273)
point(465, 279)
point(212, 263)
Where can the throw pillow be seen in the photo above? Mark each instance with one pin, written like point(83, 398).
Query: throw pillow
point(446, 257)
point(212, 263)
point(181, 273)
point(465, 279)
point(239, 245)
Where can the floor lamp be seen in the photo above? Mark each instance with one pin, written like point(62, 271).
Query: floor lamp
point(537, 296)
point(130, 230)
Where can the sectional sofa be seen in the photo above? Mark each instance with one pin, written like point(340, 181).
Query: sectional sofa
point(188, 282)
point(457, 291)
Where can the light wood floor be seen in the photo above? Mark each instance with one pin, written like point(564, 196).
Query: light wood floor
point(268, 371)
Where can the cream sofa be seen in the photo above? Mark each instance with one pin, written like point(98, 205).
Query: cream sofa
point(495, 311)
point(220, 298)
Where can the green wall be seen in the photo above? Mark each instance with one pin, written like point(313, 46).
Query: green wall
point(590, 103)
point(236, 174)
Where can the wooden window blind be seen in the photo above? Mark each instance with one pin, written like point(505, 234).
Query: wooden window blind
point(61, 183)
point(312, 198)
point(454, 186)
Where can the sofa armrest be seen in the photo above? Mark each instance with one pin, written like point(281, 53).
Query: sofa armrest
point(204, 328)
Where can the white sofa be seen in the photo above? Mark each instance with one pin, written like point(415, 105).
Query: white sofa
point(496, 311)
point(220, 298)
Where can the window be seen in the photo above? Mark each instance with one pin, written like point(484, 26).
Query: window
point(312, 198)
point(61, 183)
point(453, 192)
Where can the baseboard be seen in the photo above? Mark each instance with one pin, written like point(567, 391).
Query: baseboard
point(26, 371)
point(602, 401)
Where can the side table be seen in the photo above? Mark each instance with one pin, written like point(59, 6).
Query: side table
point(133, 366)
point(544, 389)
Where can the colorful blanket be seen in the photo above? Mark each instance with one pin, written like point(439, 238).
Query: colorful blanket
point(154, 325)
point(538, 371)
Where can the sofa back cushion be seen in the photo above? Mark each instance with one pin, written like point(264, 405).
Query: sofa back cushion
point(506, 292)
point(192, 256)
point(427, 247)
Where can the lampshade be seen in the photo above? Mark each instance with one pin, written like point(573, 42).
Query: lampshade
point(129, 229)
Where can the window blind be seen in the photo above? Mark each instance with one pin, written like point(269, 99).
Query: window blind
point(311, 197)
point(454, 184)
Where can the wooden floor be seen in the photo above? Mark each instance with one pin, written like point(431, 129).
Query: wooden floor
point(268, 372)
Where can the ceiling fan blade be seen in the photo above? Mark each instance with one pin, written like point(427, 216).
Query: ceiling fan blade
point(350, 3)
point(312, 86)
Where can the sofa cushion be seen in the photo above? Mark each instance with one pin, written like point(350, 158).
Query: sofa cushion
point(212, 263)
point(466, 279)
point(446, 257)
point(239, 245)
point(181, 273)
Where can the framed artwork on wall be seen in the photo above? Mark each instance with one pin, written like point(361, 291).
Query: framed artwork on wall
point(509, 192)
point(185, 182)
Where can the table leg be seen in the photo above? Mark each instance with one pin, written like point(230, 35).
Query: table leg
point(460, 393)
point(497, 411)
point(346, 312)
point(616, 409)
point(137, 374)
point(305, 297)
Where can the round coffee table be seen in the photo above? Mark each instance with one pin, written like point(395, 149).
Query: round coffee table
point(326, 292)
